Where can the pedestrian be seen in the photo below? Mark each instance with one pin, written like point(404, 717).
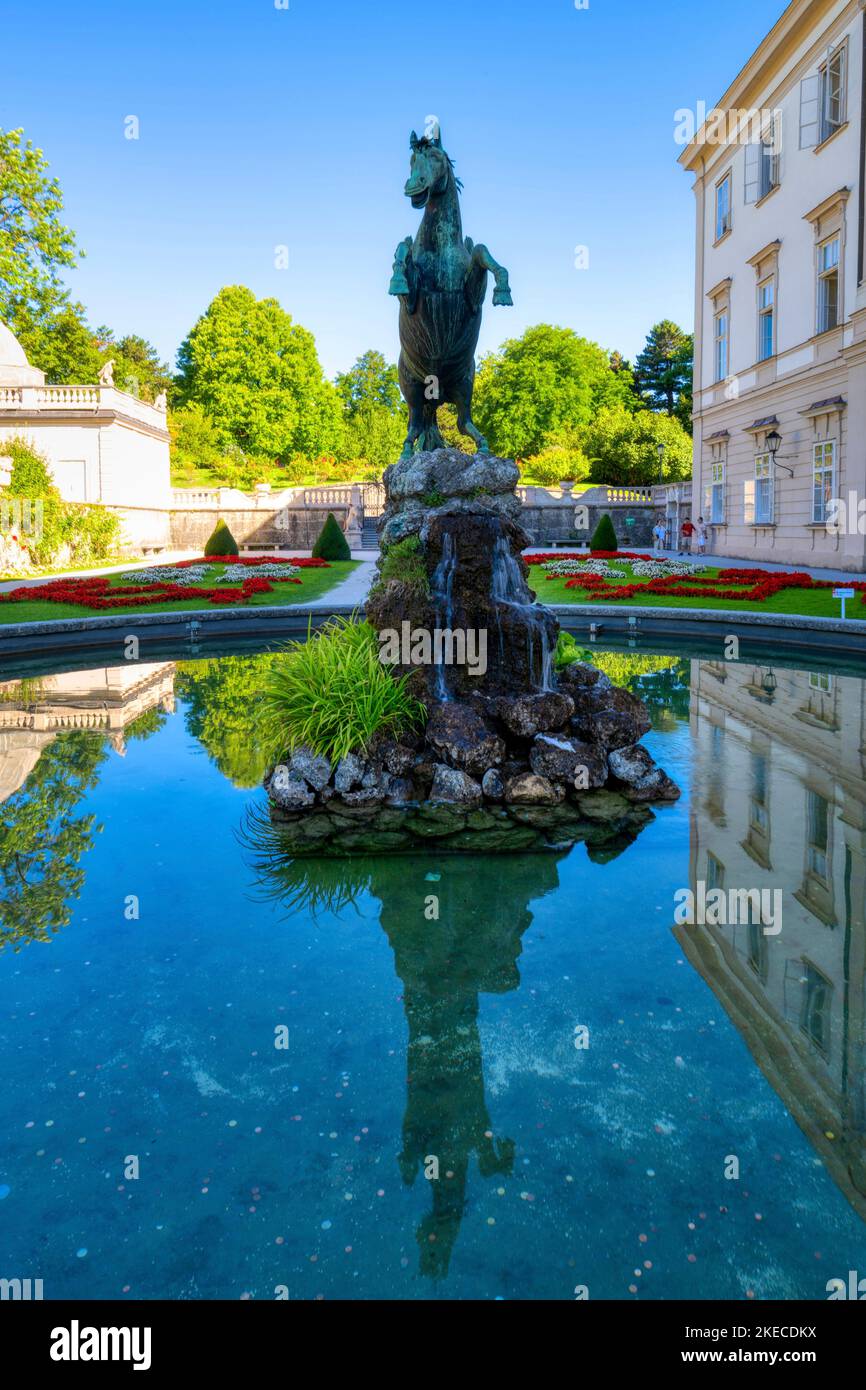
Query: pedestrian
point(658, 536)
point(702, 536)
point(687, 530)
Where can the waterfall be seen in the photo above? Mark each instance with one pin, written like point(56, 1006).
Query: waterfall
point(508, 586)
point(442, 585)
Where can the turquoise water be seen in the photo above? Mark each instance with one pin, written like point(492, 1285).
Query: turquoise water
point(144, 1026)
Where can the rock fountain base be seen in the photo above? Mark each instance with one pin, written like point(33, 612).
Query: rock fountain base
point(514, 755)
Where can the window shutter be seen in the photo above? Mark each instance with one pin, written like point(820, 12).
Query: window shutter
point(753, 172)
point(843, 78)
point(810, 111)
point(749, 502)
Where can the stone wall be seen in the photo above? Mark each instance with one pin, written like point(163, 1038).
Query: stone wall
point(292, 528)
point(549, 524)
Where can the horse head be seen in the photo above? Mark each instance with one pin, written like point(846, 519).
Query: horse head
point(429, 169)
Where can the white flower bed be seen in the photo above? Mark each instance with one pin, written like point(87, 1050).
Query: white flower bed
point(167, 574)
point(237, 573)
point(658, 569)
point(576, 567)
point(195, 575)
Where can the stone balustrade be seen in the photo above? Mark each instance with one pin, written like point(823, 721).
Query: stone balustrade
point(79, 398)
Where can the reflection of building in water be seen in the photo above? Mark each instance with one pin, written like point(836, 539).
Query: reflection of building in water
point(779, 802)
point(106, 701)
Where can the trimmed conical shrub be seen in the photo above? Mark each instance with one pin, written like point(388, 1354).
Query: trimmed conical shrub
point(332, 544)
point(221, 541)
point(604, 536)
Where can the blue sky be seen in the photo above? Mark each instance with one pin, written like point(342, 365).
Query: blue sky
point(262, 127)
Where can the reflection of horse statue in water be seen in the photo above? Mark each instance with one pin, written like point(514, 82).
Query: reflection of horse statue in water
point(440, 279)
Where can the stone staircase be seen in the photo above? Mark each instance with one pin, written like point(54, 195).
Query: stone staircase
point(369, 533)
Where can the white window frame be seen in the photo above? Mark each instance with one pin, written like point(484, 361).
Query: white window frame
point(760, 496)
point(821, 681)
point(766, 313)
point(714, 504)
point(762, 162)
point(833, 91)
point(722, 344)
point(818, 120)
point(724, 218)
point(823, 464)
point(828, 274)
point(818, 856)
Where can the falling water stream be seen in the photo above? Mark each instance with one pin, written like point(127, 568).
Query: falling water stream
point(443, 592)
point(509, 586)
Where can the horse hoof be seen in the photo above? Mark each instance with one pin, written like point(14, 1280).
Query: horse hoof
point(503, 297)
point(399, 285)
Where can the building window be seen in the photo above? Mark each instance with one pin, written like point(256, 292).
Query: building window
point(818, 830)
point(824, 100)
point(715, 498)
point(821, 681)
point(766, 320)
point(763, 490)
point(758, 803)
point(724, 220)
point(722, 342)
point(833, 82)
point(828, 285)
point(762, 162)
point(815, 1006)
point(715, 872)
point(823, 478)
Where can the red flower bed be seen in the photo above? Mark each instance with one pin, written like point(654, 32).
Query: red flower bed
point(96, 591)
point(757, 585)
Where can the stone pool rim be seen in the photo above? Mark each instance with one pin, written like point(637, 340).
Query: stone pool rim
point(773, 629)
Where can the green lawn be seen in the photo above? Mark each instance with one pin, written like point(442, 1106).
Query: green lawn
point(314, 583)
point(50, 573)
point(818, 603)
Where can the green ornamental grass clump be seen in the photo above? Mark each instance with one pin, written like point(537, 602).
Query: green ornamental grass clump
point(332, 544)
point(568, 651)
point(331, 693)
point(604, 536)
point(221, 541)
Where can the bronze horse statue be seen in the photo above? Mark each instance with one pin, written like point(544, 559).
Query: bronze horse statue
point(441, 280)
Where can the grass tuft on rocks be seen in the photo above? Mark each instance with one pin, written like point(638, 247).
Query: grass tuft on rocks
point(404, 561)
point(331, 693)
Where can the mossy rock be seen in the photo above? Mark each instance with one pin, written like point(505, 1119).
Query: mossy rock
point(511, 838)
point(371, 841)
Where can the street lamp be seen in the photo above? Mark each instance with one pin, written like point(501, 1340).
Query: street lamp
point(774, 443)
point(661, 453)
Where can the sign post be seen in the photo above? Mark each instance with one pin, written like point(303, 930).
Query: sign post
point(843, 594)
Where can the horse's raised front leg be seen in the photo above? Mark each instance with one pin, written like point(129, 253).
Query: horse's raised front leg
point(482, 257)
point(400, 277)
